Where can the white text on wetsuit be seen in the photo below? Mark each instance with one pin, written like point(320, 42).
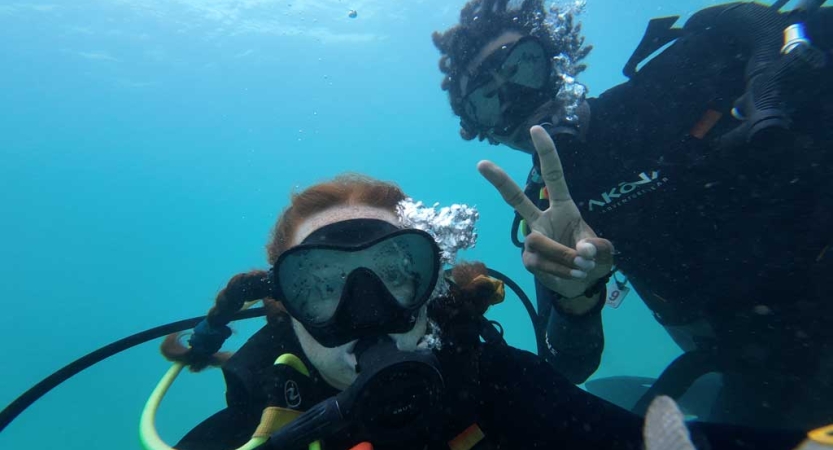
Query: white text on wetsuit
point(626, 190)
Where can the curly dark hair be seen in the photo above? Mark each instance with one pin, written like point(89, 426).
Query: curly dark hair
point(483, 20)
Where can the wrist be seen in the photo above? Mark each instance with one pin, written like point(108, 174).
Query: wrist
point(589, 301)
point(579, 306)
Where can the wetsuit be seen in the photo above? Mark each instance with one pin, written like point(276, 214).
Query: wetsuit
point(516, 399)
point(727, 243)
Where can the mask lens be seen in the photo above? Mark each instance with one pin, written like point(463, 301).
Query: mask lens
point(524, 67)
point(311, 281)
point(483, 106)
point(406, 267)
point(313, 278)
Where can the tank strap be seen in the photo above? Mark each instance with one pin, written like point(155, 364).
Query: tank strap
point(658, 33)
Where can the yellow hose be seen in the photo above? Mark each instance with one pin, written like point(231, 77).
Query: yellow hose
point(823, 435)
point(149, 437)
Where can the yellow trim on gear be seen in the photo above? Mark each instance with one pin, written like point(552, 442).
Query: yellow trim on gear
point(293, 361)
point(273, 418)
point(148, 436)
point(466, 440)
point(823, 435)
point(543, 194)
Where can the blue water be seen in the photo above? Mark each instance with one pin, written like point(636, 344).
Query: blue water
point(147, 147)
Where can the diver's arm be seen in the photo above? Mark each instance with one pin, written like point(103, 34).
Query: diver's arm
point(573, 327)
point(575, 341)
point(536, 408)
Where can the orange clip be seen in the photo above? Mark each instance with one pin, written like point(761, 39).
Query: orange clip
point(705, 124)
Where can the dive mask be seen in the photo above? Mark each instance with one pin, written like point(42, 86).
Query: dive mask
point(507, 86)
point(357, 278)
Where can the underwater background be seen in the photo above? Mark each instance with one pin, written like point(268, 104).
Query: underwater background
point(147, 147)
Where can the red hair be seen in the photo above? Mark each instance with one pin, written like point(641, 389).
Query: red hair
point(350, 189)
point(470, 291)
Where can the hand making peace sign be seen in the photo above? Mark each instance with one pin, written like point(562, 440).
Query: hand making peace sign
point(562, 251)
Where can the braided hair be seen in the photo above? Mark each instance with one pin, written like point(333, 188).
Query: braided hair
point(483, 20)
point(252, 286)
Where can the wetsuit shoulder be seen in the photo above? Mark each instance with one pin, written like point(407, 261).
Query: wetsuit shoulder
point(530, 405)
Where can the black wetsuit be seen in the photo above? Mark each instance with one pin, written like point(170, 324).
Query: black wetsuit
point(516, 399)
point(728, 245)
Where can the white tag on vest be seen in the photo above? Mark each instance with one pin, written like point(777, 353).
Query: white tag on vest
point(616, 292)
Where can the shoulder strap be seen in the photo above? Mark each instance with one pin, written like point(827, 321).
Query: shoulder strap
point(658, 34)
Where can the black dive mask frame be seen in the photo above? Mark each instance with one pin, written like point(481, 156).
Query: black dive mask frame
point(482, 87)
point(366, 307)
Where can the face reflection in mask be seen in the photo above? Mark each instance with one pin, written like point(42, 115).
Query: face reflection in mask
point(338, 365)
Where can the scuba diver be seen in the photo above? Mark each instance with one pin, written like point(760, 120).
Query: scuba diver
point(373, 344)
point(710, 170)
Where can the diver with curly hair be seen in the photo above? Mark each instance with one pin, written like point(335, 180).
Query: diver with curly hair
point(710, 170)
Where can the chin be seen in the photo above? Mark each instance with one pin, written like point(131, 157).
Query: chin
point(523, 146)
point(344, 378)
point(337, 365)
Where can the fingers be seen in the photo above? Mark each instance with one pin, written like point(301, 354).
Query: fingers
point(543, 255)
point(598, 249)
point(551, 170)
point(511, 193)
point(592, 257)
point(586, 249)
